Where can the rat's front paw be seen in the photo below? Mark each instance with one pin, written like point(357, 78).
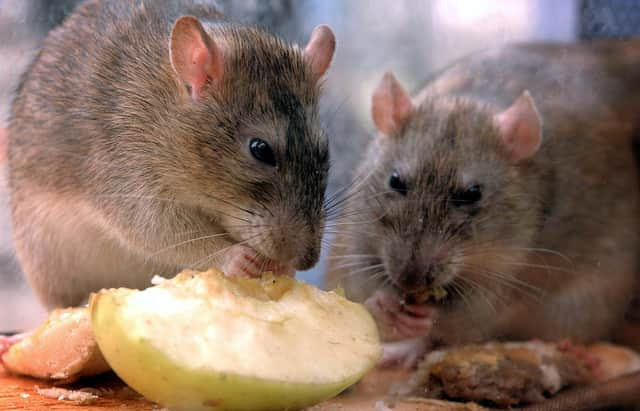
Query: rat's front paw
point(397, 321)
point(405, 353)
point(243, 261)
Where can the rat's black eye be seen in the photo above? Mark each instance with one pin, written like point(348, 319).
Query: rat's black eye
point(262, 152)
point(396, 183)
point(468, 196)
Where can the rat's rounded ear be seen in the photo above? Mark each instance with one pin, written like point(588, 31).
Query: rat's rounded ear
point(390, 105)
point(319, 51)
point(195, 56)
point(520, 128)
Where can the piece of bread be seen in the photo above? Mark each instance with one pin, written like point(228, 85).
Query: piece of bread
point(63, 349)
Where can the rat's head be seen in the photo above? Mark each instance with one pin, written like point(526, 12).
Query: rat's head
point(248, 150)
point(457, 198)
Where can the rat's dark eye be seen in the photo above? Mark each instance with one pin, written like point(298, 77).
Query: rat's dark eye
point(468, 196)
point(396, 183)
point(262, 152)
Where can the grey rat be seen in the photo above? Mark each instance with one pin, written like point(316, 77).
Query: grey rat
point(510, 181)
point(149, 136)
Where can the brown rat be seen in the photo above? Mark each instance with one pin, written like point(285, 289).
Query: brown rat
point(149, 136)
point(522, 205)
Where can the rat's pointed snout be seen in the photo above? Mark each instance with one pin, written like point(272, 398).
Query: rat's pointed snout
point(417, 276)
point(299, 246)
point(308, 259)
point(309, 246)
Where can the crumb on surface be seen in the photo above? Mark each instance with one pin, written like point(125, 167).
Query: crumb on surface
point(157, 280)
point(80, 397)
point(380, 405)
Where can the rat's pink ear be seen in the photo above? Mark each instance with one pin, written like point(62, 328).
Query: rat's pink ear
point(520, 128)
point(390, 105)
point(195, 56)
point(319, 52)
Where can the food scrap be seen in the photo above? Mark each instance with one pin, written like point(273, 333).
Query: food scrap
point(61, 349)
point(79, 397)
point(505, 374)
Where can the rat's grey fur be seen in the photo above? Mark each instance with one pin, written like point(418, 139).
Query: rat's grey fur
point(116, 175)
point(551, 251)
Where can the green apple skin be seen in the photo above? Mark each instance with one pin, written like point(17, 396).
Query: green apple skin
point(150, 372)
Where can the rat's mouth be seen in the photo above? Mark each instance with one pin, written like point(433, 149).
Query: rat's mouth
point(265, 260)
point(439, 295)
point(282, 268)
point(267, 264)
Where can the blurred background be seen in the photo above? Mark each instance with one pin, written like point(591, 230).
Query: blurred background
point(411, 38)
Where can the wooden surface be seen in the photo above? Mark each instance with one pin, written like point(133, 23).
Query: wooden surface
point(17, 393)
point(20, 393)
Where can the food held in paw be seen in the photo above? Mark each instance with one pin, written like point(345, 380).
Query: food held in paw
point(433, 294)
point(204, 341)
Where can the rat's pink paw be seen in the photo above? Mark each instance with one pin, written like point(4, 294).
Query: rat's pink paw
point(243, 261)
point(405, 353)
point(397, 321)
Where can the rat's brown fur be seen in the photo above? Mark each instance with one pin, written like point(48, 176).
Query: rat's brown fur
point(116, 175)
point(552, 250)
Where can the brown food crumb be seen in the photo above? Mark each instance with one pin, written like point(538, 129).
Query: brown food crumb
point(502, 374)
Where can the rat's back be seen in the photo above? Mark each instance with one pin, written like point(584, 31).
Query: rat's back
point(108, 55)
point(95, 80)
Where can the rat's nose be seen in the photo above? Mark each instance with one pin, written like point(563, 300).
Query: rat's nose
point(308, 259)
point(414, 277)
point(296, 241)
